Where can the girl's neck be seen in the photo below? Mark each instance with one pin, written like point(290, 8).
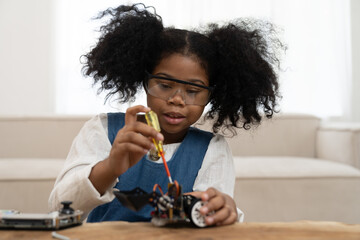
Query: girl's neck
point(174, 137)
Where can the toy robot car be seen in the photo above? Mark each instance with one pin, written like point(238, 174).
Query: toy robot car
point(172, 207)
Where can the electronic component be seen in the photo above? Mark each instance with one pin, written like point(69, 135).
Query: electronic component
point(172, 207)
point(64, 218)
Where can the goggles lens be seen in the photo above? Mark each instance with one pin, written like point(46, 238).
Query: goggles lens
point(166, 88)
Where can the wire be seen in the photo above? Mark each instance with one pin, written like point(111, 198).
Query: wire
point(158, 186)
point(177, 188)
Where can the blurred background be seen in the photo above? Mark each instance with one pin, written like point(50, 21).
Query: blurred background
point(41, 42)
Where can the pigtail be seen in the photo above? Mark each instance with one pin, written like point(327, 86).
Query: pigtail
point(246, 86)
point(125, 49)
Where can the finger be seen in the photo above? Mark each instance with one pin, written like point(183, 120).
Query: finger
point(117, 154)
point(204, 196)
point(145, 130)
point(229, 220)
point(134, 148)
point(130, 115)
point(209, 194)
point(214, 204)
point(135, 138)
point(222, 217)
point(195, 194)
point(214, 198)
point(217, 217)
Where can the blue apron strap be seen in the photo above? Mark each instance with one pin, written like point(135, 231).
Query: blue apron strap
point(116, 121)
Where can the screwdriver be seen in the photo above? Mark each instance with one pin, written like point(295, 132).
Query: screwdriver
point(153, 121)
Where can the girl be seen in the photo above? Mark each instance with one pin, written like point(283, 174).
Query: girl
point(182, 71)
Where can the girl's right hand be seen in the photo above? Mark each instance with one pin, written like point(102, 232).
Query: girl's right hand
point(132, 142)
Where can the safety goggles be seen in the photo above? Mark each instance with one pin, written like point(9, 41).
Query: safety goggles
point(166, 88)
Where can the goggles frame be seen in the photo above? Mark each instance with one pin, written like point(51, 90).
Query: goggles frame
point(180, 81)
point(150, 76)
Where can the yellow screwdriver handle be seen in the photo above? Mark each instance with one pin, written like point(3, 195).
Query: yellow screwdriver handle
point(153, 121)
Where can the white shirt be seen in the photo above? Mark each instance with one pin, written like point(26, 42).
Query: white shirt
point(92, 145)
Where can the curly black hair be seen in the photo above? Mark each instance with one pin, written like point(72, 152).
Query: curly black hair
point(240, 58)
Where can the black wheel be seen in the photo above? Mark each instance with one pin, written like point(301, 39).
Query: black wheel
point(196, 218)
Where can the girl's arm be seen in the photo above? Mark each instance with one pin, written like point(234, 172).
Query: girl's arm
point(93, 165)
point(131, 143)
point(89, 147)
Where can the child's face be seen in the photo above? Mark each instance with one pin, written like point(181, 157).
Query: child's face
point(175, 116)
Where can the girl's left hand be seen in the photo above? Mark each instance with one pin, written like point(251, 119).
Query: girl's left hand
point(222, 204)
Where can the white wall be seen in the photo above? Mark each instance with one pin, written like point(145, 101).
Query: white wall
point(27, 66)
point(26, 85)
point(355, 39)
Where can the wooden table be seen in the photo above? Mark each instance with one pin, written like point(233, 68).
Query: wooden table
point(244, 231)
